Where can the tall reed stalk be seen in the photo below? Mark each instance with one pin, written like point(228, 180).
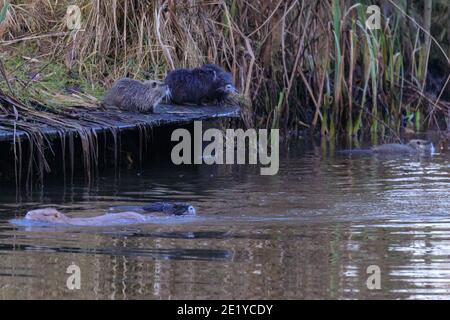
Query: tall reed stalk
point(302, 64)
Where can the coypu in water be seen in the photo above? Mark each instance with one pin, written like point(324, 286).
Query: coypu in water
point(134, 95)
point(415, 146)
point(175, 209)
point(207, 83)
point(53, 216)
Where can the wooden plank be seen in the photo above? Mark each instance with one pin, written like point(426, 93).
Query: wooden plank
point(99, 121)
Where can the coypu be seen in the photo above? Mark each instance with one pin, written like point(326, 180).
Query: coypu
point(208, 83)
point(134, 95)
point(175, 209)
point(53, 216)
point(415, 146)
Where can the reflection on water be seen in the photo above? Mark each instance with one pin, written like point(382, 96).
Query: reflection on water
point(309, 232)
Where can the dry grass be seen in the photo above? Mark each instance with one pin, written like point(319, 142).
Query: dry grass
point(284, 55)
point(302, 64)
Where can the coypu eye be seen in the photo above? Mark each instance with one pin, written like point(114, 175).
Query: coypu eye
point(418, 142)
point(153, 84)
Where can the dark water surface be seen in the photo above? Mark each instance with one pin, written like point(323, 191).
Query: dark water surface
point(309, 232)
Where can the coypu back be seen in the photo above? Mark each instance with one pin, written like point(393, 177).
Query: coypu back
point(50, 215)
point(392, 148)
point(53, 216)
point(134, 95)
point(109, 219)
point(205, 84)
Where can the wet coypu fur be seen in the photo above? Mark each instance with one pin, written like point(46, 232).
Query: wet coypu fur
point(208, 83)
point(413, 146)
point(133, 214)
point(134, 95)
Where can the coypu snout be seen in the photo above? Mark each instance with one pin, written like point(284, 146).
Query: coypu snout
point(191, 211)
point(229, 88)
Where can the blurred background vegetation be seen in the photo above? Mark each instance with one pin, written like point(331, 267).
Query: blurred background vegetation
point(303, 64)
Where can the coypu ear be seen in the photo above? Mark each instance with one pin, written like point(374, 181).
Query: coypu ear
point(209, 71)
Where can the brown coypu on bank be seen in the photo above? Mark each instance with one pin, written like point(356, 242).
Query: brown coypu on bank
point(208, 83)
point(53, 216)
point(134, 95)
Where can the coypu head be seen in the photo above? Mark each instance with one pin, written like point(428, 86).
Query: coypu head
point(223, 82)
point(421, 145)
point(158, 86)
point(181, 209)
point(159, 91)
point(46, 215)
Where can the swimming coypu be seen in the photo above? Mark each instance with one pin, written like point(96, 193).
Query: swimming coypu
point(134, 95)
point(207, 83)
point(415, 146)
point(53, 216)
point(174, 208)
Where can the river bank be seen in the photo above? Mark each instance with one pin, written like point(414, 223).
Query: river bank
point(302, 64)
